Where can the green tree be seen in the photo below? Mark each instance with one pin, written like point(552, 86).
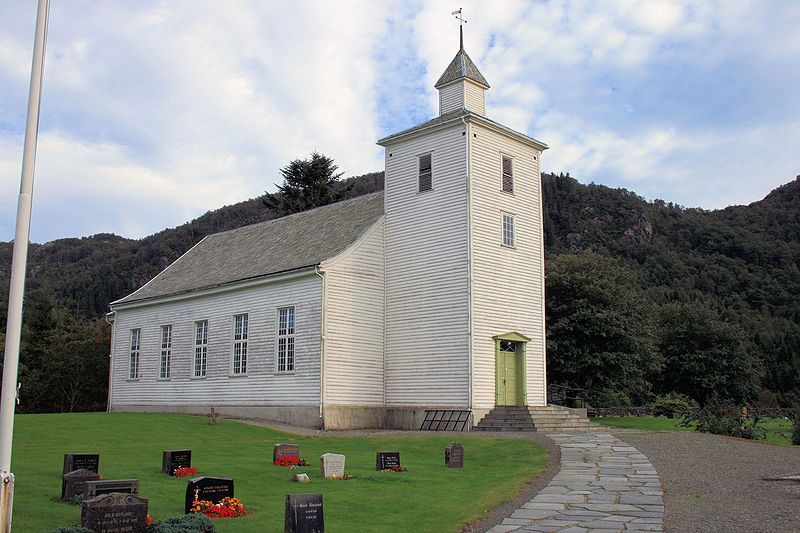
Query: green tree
point(705, 357)
point(600, 330)
point(307, 183)
point(76, 370)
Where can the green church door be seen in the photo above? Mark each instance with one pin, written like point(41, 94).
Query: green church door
point(507, 378)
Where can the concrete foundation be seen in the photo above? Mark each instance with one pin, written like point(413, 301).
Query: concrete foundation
point(305, 416)
point(353, 417)
point(336, 416)
point(411, 418)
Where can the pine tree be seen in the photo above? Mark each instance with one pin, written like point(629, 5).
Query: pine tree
point(307, 183)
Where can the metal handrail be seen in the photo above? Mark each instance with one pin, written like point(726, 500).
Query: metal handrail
point(566, 395)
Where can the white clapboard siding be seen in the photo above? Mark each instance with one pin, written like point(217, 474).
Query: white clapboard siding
point(474, 98)
point(262, 386)
point(451, 97)
point(426, 273)
point(508, 284)
point(354, 295)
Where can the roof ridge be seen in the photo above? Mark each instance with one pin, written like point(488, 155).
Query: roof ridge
point(296, 215)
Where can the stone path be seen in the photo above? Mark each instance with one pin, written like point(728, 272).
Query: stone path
point(604, 485)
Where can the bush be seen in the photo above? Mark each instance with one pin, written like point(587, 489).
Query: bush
point(190, 523)
point(796, 429)
point(724, 419)
point(609, 398)
point(670, 405)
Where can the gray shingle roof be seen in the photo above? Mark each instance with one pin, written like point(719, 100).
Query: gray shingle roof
point(456, 115)
point(461, 67)
point(441, 119)
point(284, 244)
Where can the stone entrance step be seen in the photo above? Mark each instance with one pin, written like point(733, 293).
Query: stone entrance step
point(530, 418)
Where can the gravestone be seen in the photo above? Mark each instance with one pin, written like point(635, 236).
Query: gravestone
point(208, 488)
point(124, 486)
point(74, 483)
point(115, 513)
point(173, 459)
point(81, 461)
point(302, 478)
point(454, 455)
point(304, 514)
point(332, 464)
point(282, 450)
point(386, 460)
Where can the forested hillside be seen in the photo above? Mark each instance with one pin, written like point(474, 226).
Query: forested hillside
point(718, 288)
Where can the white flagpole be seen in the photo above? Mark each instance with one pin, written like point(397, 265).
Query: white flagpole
point(18, 266)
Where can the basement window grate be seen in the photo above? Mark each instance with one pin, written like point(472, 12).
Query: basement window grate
point(445, 420)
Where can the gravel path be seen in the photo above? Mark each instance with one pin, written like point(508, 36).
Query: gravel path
point(714, 483)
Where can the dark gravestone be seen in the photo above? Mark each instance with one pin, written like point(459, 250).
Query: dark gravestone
point(74, 483)
point(81, 461)
point(386, 460)
point(282, 450)
point(174, 459)
point(115, 513)
point(124, 486)
point(304, 514)
point(454, 455)
point(211, 489)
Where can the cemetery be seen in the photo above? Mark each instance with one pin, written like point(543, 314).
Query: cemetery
point(134, 452)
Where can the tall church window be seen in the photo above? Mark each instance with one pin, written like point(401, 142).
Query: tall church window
point(286, 339)
point(200, 348)
point(508, 230)
point(166, 352)
point(136, 348)
point(425, 173)
point(240, 326)
point(508, 174)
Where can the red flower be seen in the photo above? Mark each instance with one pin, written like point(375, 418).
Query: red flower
point(149, 520)
point(185, 471)
point(226, 508)
point(290, 461)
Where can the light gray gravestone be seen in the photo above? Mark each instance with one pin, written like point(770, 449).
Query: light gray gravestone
point(332, 464)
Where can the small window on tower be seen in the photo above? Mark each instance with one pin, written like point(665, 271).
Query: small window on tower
point(425, 173)
point(508, 174)
point(508, 230)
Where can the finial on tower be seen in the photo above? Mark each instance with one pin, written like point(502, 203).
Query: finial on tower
point(457, 14)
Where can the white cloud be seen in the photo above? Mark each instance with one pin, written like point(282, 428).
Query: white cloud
point(185, 107)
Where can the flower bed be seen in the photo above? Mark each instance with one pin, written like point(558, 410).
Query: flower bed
point(290, 461)
point(226, 508)
point(185, 471)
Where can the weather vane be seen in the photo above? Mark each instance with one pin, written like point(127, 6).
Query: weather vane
point(460, 17)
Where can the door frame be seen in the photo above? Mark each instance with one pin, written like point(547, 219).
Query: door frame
point(521, 357)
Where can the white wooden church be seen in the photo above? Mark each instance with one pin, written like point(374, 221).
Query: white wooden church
point(365, 313)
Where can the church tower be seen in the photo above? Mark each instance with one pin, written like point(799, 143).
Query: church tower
point(462, 86)
point(464, 319)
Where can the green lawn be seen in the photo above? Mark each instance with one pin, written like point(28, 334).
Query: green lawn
point(429, 497)
point(778, 430)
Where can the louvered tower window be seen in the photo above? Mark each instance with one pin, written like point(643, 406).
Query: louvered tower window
point(425, 173)
point(508, 174)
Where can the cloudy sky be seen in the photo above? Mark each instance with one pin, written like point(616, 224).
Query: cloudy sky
point(155, 112)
